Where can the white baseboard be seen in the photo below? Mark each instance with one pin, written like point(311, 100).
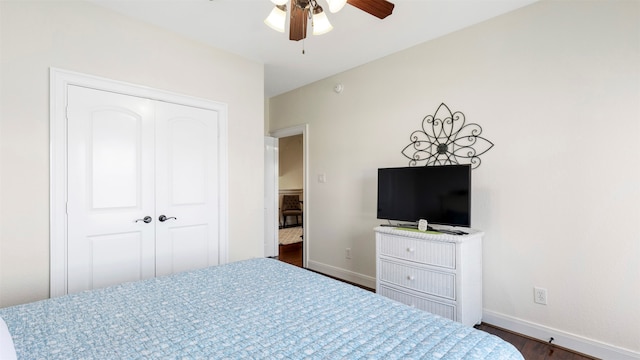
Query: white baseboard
point(343, 274)
point(560, 338)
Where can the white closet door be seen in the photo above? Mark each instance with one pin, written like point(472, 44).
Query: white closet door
point(186, 188)
point(110, 186)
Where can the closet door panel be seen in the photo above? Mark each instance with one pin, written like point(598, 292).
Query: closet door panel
point(188, 153)
point(114, 139)
point(186, 188)
point(185, 245)
point(110, 185)
point(110, 265)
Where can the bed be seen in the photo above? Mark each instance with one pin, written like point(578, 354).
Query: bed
point(252, 309)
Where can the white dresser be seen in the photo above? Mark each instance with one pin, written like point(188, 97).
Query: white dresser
point(436, 272)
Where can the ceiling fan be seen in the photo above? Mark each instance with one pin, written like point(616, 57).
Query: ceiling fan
point(303, 10)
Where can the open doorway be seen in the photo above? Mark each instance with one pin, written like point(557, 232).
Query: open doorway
point(293, 224)
point(290, 199)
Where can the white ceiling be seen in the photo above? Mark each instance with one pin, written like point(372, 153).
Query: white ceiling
point(357, 38)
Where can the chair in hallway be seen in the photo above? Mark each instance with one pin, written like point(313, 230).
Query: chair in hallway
point(291, 207)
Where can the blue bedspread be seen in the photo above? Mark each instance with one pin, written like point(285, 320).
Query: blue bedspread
point(253, 309)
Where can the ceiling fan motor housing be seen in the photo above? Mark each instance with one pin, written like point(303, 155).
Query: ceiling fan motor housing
point(302, 4)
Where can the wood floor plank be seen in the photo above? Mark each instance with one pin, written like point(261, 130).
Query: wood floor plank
point(518, 341)
point(534, 350)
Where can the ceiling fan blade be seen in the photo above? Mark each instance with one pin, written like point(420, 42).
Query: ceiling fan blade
point(297, 22)
point(378, 8)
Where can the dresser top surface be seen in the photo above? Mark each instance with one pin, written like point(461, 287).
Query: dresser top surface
point(431, 235)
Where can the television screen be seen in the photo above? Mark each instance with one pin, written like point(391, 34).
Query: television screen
point(438, 194)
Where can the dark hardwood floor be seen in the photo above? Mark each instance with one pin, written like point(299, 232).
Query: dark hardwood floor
point(291, 254)
point(531, 349)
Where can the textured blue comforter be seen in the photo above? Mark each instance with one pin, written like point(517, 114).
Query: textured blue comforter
point(254, 309)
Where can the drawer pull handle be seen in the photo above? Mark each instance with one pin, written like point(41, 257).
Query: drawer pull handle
point(410, 249)
point(410, 277)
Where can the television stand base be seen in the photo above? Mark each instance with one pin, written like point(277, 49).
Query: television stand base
point(408, 226)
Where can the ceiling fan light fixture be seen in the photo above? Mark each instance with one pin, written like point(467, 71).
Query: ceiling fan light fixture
point(302, 11)
point(320, 22)
point(335, 5)
point(277, 18)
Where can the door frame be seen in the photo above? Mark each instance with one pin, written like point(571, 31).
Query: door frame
point(304, 131)
point(271, 163)
point(59, 81)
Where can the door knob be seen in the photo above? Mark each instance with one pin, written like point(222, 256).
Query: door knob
point(146, 219)
point(163, 218)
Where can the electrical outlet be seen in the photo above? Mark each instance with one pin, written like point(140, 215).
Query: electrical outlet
point(347, 253)
point(540, 296)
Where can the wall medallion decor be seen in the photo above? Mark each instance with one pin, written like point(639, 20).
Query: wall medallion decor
point(445, 139)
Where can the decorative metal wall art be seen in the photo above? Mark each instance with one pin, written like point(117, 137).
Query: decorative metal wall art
point(445, 139)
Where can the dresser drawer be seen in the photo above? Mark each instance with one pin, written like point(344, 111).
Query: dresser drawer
point(439, 308)
point(435, 253)
point(419, 279)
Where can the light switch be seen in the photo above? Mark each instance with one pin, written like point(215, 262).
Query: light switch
point(322, 178)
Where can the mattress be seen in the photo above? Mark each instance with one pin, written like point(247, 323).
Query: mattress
point(252, 309)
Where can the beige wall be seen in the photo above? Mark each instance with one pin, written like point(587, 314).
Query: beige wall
point(290, 162)
point(556, 87)
point(86, 38)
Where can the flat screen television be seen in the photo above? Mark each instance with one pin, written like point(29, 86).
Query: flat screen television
point(438, 194)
